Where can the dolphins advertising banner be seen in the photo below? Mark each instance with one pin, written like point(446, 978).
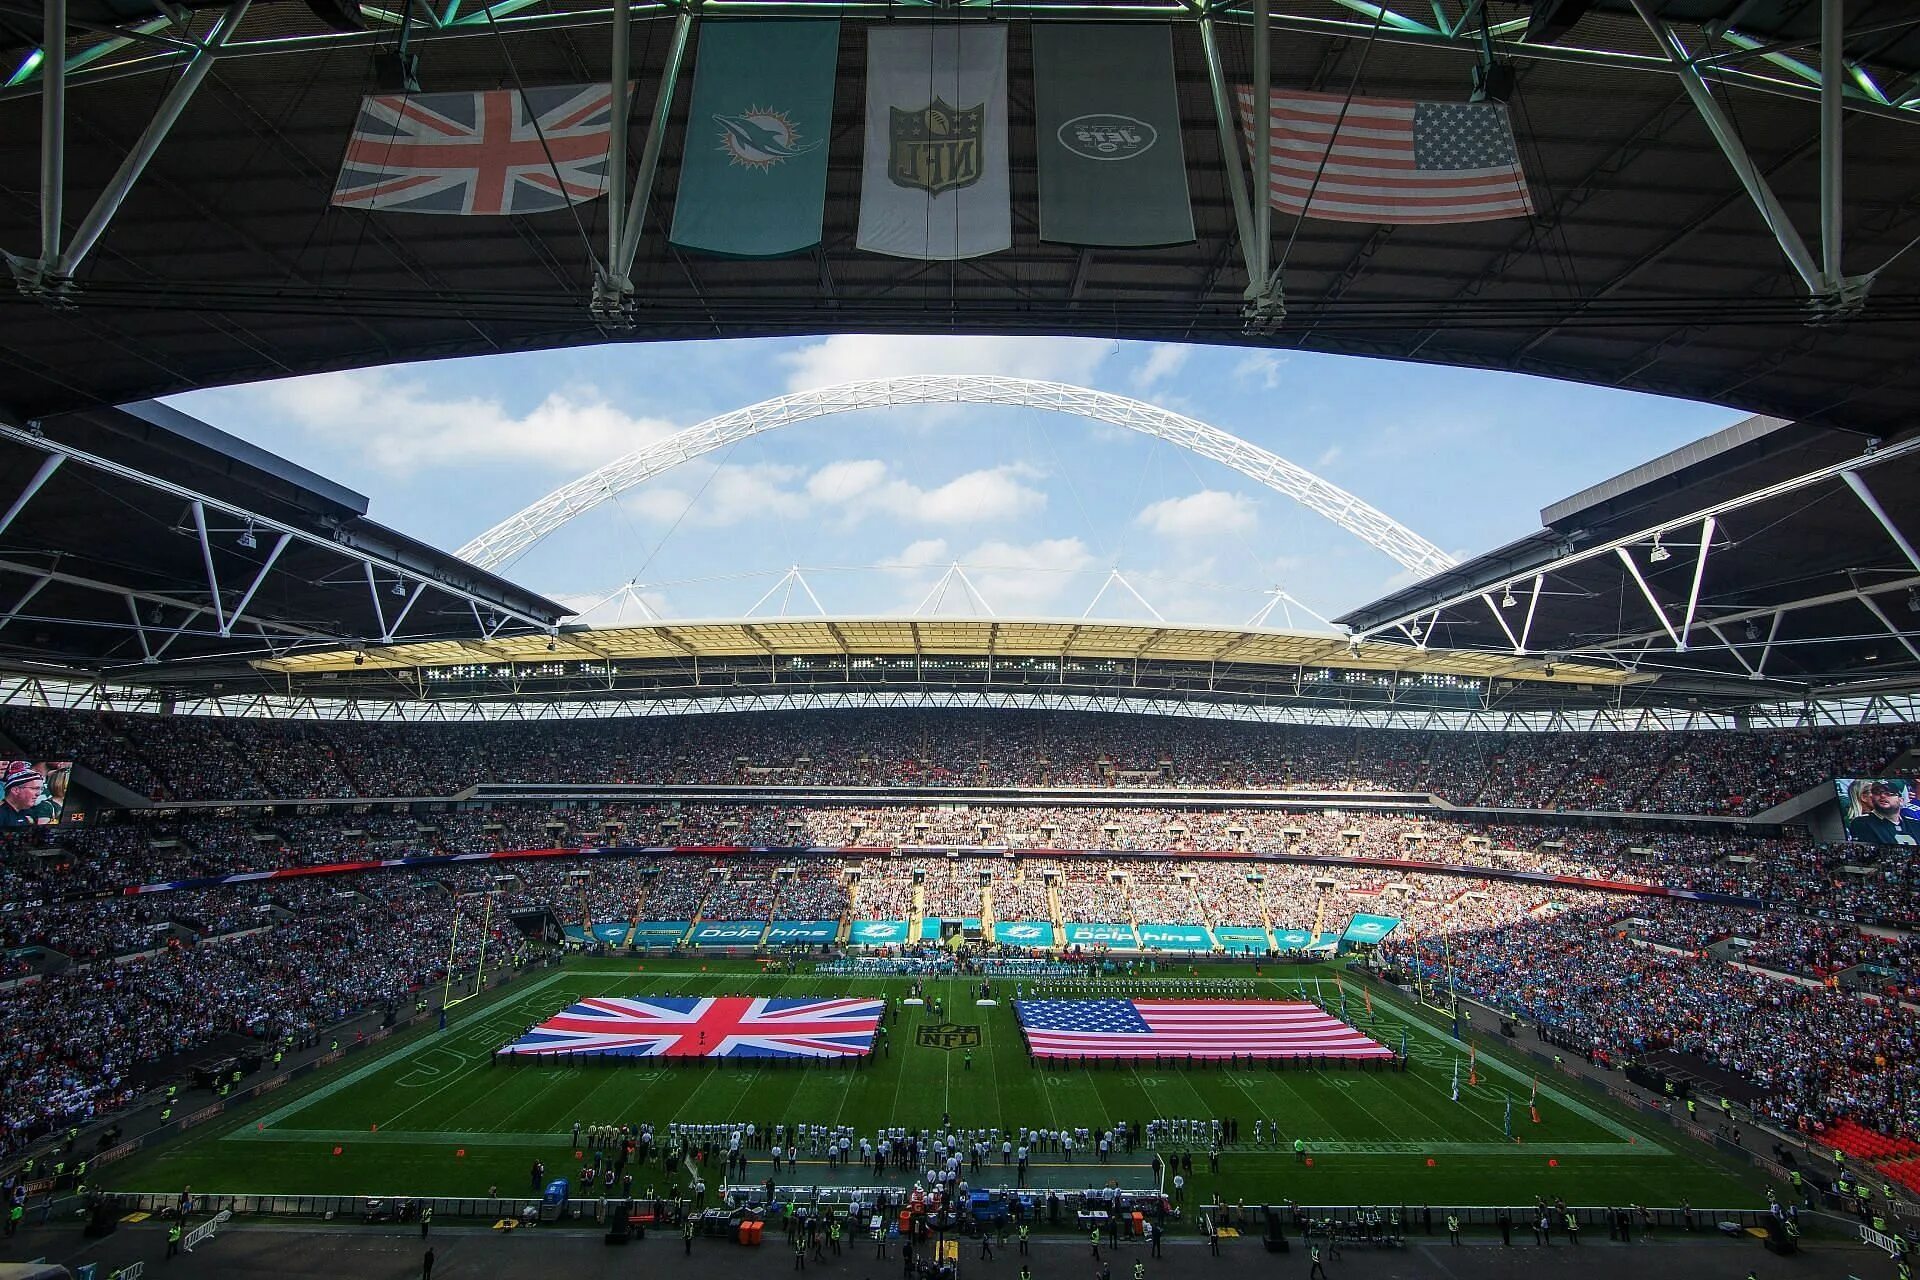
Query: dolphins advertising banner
point(1368, 929)
point(1243, 941)
point(611, 934)
point(787, 933)
point(1301, 940)
point(1023, 933)
point(878, 933)
point(1101, 935)
point(729, 933)
point(1175, 937)
point(753, 171)
point(660, 933)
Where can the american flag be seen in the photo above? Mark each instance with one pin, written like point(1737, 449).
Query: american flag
point(1396, 162)
point(713, 1027)
point(1189, 1028)
point(493, 152)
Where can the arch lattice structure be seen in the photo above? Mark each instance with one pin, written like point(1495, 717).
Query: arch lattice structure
point(513, 536)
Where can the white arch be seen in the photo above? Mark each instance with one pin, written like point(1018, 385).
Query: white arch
point(514, 535)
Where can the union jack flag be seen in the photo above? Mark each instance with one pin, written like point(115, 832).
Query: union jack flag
point(714, 1027)
point(499, 151)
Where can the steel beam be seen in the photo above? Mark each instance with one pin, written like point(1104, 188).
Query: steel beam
point(206, 558)
point(266, 567)
point(53, 132)
point(164, 117)
point(1872, 504)
point(1735, 150)
point(1262, 255)
point(1832, 68)
point(622, 110)
point(620, 269)
point(40, 478)
point(1230, 166)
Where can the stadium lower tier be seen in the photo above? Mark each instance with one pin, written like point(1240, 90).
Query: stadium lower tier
point(1817, 1017)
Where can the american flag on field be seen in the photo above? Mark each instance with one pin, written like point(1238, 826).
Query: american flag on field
point(713, 1027)
point(1189, 1028)
point(1395, 162)
point(494, 152)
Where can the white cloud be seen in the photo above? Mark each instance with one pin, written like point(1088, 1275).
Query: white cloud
point(847, 357)
point(1328, 456)
point(1206, 514)
point(1261, 367)
point(863, 487)
point(400, 424)
point(732, 495)
point(1164, 359)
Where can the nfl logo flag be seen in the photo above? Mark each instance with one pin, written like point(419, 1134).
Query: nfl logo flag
point(496, 152)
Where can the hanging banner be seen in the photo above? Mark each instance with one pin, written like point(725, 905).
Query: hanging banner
point(934, 185)
point(1107, 136)
point(753, 171)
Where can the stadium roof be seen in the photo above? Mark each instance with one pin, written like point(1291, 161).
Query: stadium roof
point(1649, 264)
point(140, 538)
point(1773, 556)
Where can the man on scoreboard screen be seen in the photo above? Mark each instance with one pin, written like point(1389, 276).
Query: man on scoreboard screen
point(25, 803)
point(1881, 818)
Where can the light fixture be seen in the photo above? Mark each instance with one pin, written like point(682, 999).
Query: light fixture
point(1506, 599)
point(551, 646)
point(1753, 629)
point(1913, 600)
point(399, 587)
point(359, 659)
point(1659, 552)
point(246, 540)
point(1414, 631)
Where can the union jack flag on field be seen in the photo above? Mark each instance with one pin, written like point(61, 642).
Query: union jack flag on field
point(714, 1027)
point(494, 152)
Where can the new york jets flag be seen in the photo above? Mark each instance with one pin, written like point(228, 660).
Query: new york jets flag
point(934, 183)
point(753, 181)
point(1107, 132)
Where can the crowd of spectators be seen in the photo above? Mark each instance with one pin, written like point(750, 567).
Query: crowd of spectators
point(211, 758)
point(74, 1042)
point(1848, 882)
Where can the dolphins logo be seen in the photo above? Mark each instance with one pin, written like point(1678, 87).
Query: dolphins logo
point(760, 138)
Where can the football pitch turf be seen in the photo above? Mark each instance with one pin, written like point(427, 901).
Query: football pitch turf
point(435, 1114)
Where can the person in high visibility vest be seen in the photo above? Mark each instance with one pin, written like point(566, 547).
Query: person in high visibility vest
point(173, 1239)
point(1453, 1228)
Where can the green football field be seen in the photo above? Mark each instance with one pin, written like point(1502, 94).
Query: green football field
point(435, 1115)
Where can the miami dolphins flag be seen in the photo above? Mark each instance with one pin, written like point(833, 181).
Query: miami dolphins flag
point(753, 180)
point(1107, 135)
point(934, 185)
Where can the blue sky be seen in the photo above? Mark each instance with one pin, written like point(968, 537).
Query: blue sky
point(1038, 508)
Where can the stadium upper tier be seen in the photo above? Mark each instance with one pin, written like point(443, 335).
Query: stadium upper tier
point(203, 759)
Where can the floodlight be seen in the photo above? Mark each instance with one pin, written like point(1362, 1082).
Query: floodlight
point(1659, 552)
point(246, 539)
point(1506, 599)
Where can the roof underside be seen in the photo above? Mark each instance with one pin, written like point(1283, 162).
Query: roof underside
point(1646, 268)
point(1804, 591)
